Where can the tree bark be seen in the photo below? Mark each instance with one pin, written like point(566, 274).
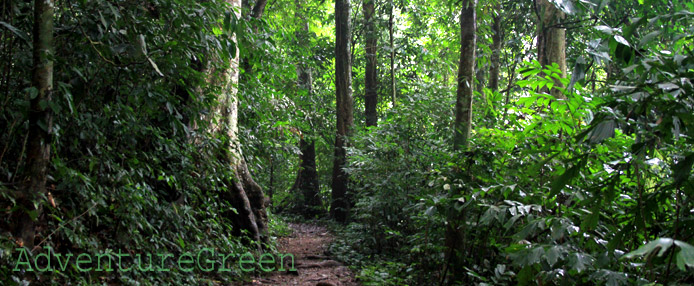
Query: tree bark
point(258, 9)
point(551, 40)
point(454, 234)
point(307, 176)
point(466, 73)
point(370, 81)
point(254, 191)
point(497, 38)
point(392, 54)
point(339, 208)
point(245, 195)
point(40, 123)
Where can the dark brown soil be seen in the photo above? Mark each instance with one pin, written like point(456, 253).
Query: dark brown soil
point(308, 243)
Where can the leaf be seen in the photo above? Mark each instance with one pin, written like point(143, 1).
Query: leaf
point(553, 254)
point(621, 40)
point(648, 38)
point(565, 178)
point(154, 65)
point(181, 242)
point(141, 45)
point(19, 33)
point(567, 6)
point(683, 169)
point(686, 255)
point(32, 91)
point(602, 131)
point(635, 23)
point(661, 244)
point(604, 29)
point(580, 261)
point(591, 220)
point(579, 72)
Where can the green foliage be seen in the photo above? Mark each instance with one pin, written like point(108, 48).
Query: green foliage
point(133, 165)
point(558, 190)
point(593, 188)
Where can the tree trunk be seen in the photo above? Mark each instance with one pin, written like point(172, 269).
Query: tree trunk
point(40, 123)
point(551, 40)
point(339, 208)
point(496, 51)
point(245, 194)
point(454, 234)
point(466, 72)
point(370, 82)
point(392, 54)
point(307, 177)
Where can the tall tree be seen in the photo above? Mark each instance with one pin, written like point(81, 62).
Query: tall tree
point(245, 195)
point(466, 73)
point(307, 176)
point(370, 81)
point(339, 208)
point(496, 50)
point(392, 52)
point(551, 39)
point(463, 124)
point(40, 122)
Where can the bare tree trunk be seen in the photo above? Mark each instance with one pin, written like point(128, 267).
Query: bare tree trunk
point(40, 123)
point(245, 194)
point(551, 39)
point(255, 193)
point(307, 177)
point(392, 54)
point(370, 82)
point(454, 235)
point(339, 208)
point(496, 50)
point(466, 73)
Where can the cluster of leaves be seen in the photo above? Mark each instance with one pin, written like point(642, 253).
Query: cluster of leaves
point(560, 191)
point(394, 166)
point(134, 166)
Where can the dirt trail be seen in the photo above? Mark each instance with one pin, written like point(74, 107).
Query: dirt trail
point(309, 244)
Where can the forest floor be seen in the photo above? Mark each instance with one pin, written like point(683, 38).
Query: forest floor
point(308, 243)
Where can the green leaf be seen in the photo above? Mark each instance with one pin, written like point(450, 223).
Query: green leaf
point(621, 40)
point(604, 29)
point(602, 131)
point(19, 33)
point(579, 72)
point(154, 65)
point(661, 244)
point(181, 242)
point(566, 177)
point(683, 169)
point(591, 220)
point(686, 255)
point(33, 92)
point(553, 254)
point(648, 38)
point(580, 262)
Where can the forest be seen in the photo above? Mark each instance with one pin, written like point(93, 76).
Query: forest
point(354, 142)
